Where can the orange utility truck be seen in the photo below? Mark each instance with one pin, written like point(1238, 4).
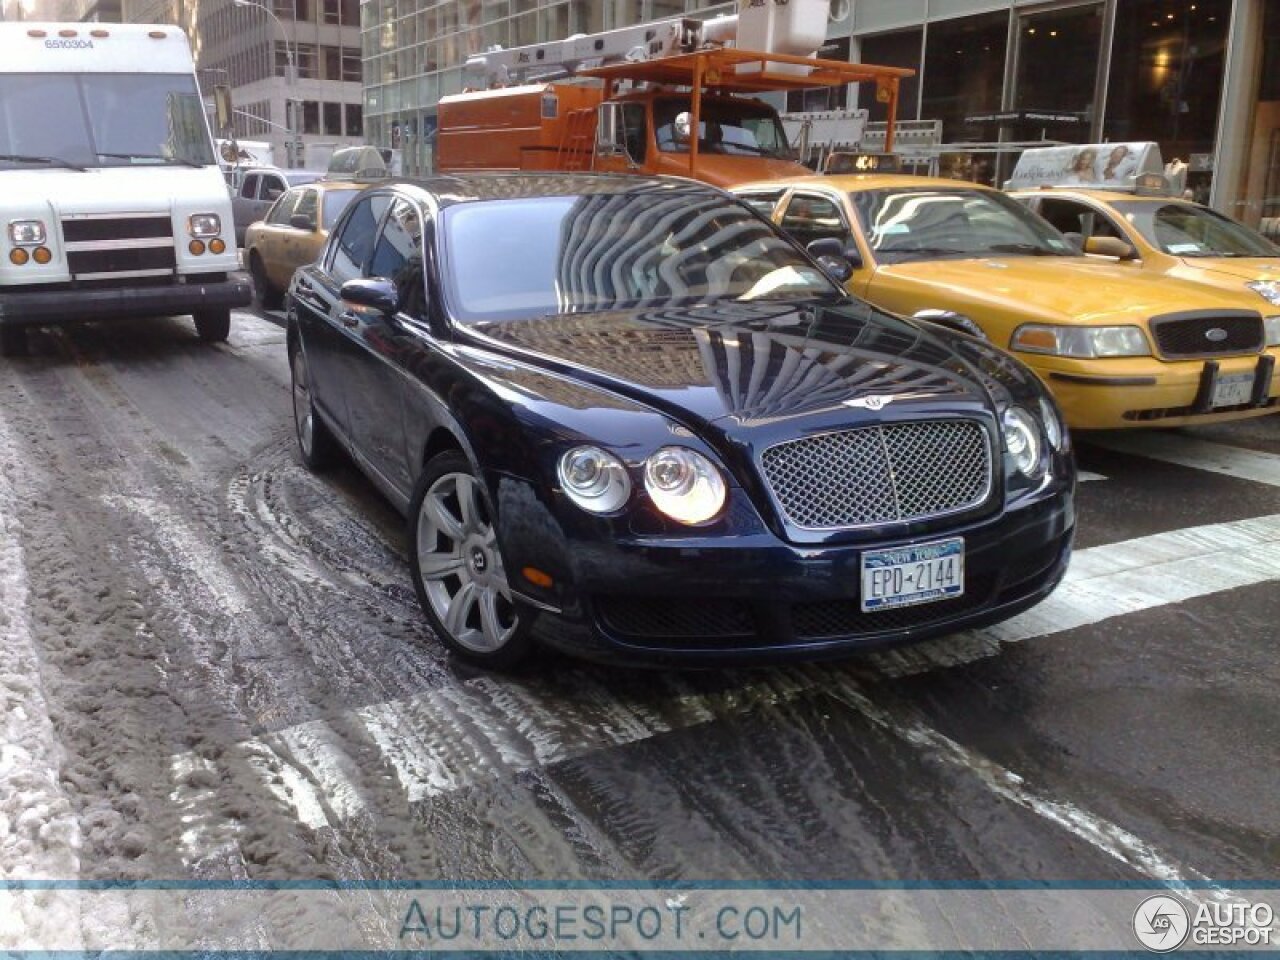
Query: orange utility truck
point(638, 94)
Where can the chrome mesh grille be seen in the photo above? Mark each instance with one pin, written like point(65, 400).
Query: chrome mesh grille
point(893, 472)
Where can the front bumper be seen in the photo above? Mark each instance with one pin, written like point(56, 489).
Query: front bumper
point(759, 599)
point(65, 303)
point(1126, 392)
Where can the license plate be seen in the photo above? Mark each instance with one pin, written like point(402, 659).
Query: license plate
point(909, 575)
point(1233, 389)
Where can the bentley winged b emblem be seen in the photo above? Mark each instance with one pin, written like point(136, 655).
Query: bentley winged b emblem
point(877, 401)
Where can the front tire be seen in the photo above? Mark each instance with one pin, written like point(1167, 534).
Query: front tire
point(13, 341)
point(457, 567)
point(316, 444)
point(268, 297)
point(213, 326)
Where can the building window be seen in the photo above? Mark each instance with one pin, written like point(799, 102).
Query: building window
point(351, 70)
point(964, 74)
point(310, 116)
point(332, 115)
point(823, 98)
point(332, 11)
point(355, 125)
point(1057, 68)
point(902, 48)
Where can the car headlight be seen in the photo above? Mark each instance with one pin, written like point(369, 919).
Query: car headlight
point(1269, 290)
point(684, 484)
point(594, 479)
point(1022, 440)
point(1085, 342)
point(204, 225)
point(27, 233)
point(1271, 327)
point(1055, 430)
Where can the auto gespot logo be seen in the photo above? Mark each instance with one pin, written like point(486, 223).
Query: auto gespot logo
point(1162, 923)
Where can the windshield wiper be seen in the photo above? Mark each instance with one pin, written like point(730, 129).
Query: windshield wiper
point(1030, 249)
point(51, 161)
point(150, 156)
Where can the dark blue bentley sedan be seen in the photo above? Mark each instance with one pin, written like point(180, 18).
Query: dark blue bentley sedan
point(628, 418)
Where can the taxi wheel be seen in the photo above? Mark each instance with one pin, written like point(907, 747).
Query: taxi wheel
point(13, 341)
point(213, 326)
point(268, 297)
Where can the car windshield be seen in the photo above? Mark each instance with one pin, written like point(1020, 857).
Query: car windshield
point(1189, 230)
point(659, 247)
point(101, 120)
point(935, 223)
point(335, 201)
point(740, 128)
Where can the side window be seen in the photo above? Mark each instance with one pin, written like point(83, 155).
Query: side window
point(249, 188)
point(272, 188)
point(762, 203)
point(1078, 220)
point(809, 217)
point(398, 256)
point(308, 204)
point(279, 214)
point(354, 245)
point(636, 130)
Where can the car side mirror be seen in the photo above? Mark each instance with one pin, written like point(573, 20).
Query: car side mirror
point(301, 221)
point(840, 250)
point(838, 268)
point(373, 293)
point(1110, 247)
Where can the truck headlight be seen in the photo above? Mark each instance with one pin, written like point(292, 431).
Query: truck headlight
point(684, 485)
point(204, 225)
point(1271, 328)
point(594, 479)
point(27, 233)
point(1269, 290)
point(1086, 342)
point(1022, 440)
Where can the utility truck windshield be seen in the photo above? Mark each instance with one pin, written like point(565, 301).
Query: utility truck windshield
point(741, 128)
point(101, 120)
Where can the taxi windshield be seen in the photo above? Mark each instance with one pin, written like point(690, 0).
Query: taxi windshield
point(903, 225)
point(1188, 230)
point(530, 257)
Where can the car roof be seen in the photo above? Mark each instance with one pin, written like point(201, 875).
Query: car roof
point(1106, 196)
point(448, 190)
point(853, 182)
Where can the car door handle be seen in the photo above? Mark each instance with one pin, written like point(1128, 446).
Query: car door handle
point(348, 319)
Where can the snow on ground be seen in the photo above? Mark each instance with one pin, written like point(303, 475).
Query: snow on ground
point(39, 834)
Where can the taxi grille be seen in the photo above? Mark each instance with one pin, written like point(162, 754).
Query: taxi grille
point(1207, 333)
point(889, 473)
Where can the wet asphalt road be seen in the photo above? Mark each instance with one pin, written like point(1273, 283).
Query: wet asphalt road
point(241, 685)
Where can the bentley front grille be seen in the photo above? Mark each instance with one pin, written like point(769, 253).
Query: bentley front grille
point(1207, 333)
point(882, 474)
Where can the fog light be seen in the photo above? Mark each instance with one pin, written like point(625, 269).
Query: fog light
point(196, 247)
point(217, 246)
point(18, 256)
point(538, 577)
point(42, 255)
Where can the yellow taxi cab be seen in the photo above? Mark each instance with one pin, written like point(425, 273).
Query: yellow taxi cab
point(292, 233)
point(1118, 347)
point(1135, 213)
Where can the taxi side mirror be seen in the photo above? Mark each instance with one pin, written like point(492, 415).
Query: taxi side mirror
point(302, 221)
point(1111, 247)
point(837, 250)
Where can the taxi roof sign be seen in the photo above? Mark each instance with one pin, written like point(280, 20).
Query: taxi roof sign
point(1135, 167)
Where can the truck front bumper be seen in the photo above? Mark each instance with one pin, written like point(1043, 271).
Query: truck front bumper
point(66, 304)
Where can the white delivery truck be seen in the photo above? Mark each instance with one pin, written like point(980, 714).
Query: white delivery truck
point(111, 201)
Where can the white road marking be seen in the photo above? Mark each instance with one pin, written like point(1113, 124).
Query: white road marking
point(1084, 476)
point(1193, 452)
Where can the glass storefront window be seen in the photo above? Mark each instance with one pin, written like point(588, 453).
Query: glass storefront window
point(1057, 69)
point(964, 73)
point(823, 98)
point(902, 48)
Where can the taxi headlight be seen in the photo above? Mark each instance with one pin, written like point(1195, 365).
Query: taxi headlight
point(594, 479)
point(1269, 290)
point(1086, 342)
point(1271, 327)
point(1022, 440)
point(684, 485)
point(204, 225)
point(27, 233)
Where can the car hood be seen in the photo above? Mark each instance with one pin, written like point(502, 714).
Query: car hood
point(754, 364)
point(1247, 269)
point(1060, 289)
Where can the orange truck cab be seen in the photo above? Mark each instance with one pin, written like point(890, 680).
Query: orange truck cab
point(648, 128)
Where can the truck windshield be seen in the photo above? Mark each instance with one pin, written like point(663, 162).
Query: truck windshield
point(1188, 230)
point(939, 223)
point(526, 258)
point(742, 128)
point(101, 120)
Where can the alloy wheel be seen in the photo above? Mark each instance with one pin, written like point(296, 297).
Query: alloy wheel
point(303, 416)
